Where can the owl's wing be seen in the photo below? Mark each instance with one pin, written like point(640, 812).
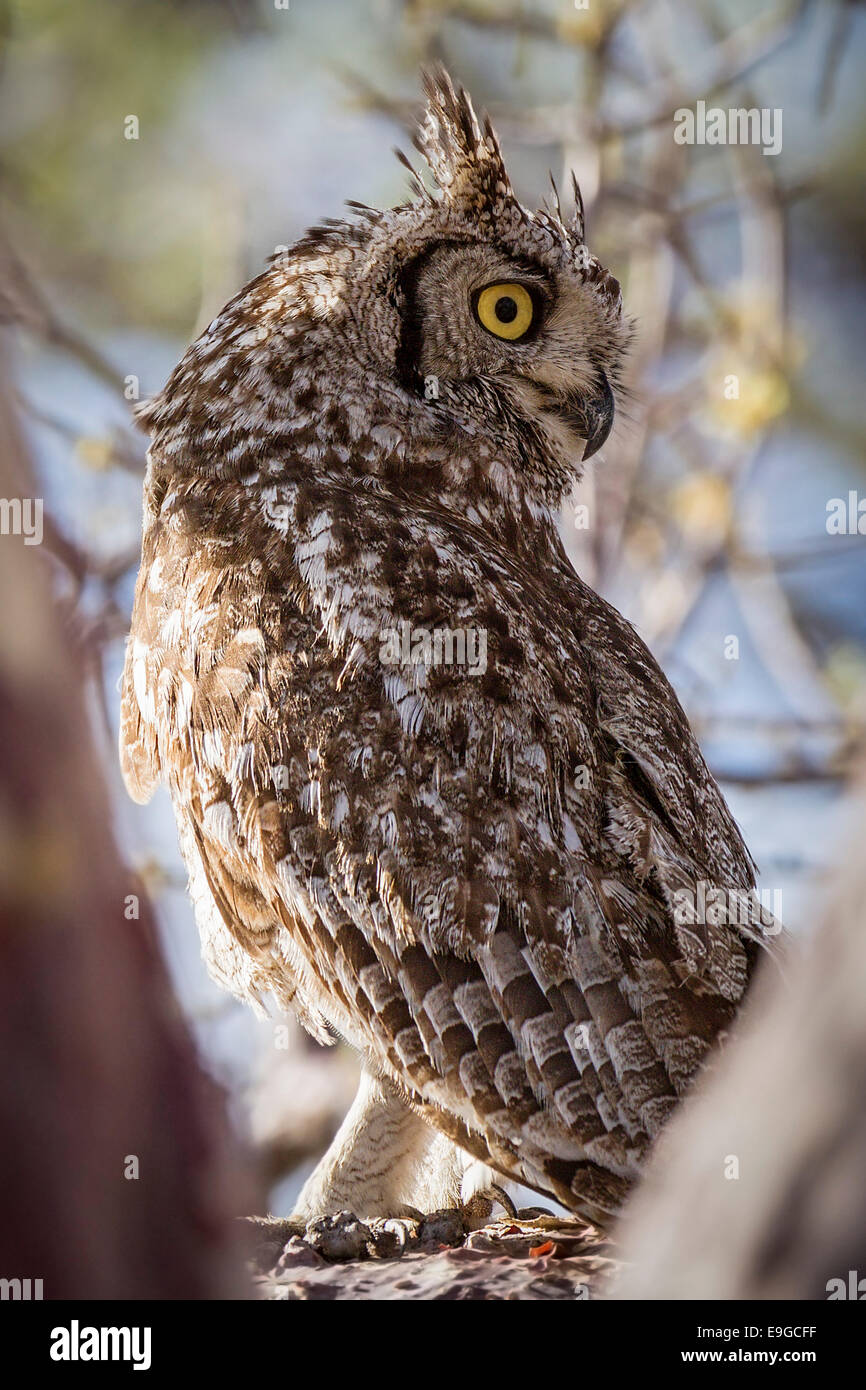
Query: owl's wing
point(139, 753)
point(460, 865)
point(666, 811)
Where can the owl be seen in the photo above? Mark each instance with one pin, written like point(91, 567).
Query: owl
point(433, 792)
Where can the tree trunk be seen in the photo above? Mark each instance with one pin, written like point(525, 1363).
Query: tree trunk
point(99, 1080)
point(786, 1111)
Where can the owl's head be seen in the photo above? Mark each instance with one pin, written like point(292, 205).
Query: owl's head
point(497, 292)
point(460, 311)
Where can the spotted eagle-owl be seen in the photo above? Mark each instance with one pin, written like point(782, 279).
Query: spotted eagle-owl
point(432, 791)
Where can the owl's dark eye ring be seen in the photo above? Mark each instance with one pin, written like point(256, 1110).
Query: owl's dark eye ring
point(506, 309)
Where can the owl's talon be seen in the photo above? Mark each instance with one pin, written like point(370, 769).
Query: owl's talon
point(390, 1236)
point(498, 1194)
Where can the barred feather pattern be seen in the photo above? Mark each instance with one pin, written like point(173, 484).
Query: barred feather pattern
point(472, 877)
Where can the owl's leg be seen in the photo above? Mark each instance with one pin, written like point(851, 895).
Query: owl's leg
point(386, 1171)
point(385, 1161)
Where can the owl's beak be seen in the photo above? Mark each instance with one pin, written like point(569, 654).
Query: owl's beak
point(589, 414)
point(596, 417)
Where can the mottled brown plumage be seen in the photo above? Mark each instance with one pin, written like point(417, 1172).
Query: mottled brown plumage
point(471, 874)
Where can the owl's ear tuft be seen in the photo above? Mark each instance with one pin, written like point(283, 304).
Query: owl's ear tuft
point(415, 181)
point(572, 230)
point(462, 150)
point(577, 223)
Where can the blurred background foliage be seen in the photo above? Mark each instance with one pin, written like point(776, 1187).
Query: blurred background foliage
point(704, 519)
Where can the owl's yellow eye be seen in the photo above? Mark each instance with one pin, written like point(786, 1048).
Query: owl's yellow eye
point(505, 310)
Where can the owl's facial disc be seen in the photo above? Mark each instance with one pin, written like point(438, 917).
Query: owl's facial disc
point(475, 312)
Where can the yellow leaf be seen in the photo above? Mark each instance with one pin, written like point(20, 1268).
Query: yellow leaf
point(763, 397)
point(94, 452)
point(580, 26)
point(701, 507)
point(845, 673)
